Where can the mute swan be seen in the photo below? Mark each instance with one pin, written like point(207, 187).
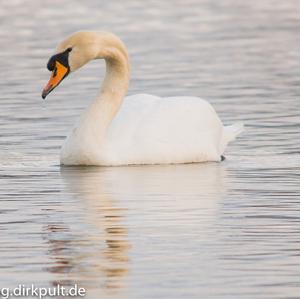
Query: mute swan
point(138, 129)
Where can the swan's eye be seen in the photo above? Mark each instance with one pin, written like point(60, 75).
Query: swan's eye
point(51, 64)
point(69, 49)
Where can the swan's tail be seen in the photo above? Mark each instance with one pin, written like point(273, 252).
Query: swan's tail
point(230, 133)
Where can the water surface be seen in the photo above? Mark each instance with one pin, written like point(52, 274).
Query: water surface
point(212, 230)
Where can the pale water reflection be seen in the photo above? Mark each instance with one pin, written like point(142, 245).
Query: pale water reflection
point(109, 263)
point(175, 197)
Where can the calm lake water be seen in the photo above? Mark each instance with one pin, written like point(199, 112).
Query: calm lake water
point(212, 230)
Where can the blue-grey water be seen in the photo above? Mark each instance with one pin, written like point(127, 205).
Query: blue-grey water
point(212, 230)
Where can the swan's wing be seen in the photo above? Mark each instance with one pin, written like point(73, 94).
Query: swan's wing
point(164, 129)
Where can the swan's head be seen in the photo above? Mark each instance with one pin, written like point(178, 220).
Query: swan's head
point(71, 54)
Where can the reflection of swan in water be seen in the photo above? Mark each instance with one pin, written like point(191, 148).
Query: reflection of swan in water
point(105, 219)
point(189, 186)
point(153, 198)
point(56, 236)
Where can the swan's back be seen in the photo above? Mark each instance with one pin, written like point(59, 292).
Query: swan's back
point(152, 130)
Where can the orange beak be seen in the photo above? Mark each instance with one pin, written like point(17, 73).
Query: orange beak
point(58, 74)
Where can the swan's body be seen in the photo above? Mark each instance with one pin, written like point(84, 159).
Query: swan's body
point(144, 129)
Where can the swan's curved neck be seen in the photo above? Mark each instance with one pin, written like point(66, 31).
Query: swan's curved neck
point(114, 87)
point(116, 80)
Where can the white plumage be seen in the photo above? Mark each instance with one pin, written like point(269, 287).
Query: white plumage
point(151, 130)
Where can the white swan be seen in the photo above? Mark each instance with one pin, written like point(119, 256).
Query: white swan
point(144, 129)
